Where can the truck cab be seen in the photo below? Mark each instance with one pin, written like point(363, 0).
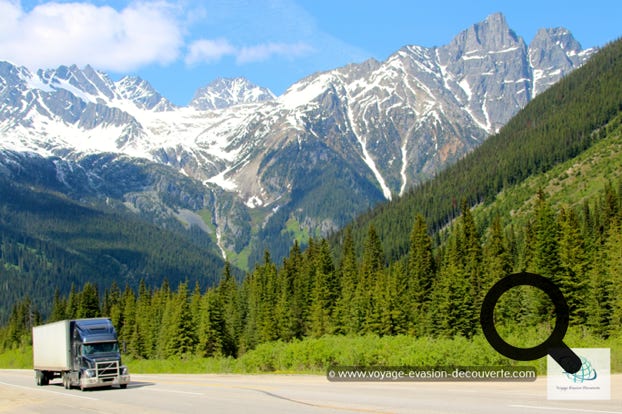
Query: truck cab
point(96, 355)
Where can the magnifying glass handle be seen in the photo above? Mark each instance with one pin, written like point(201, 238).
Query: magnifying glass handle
point(567, 359)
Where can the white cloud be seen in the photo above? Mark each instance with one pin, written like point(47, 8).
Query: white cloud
point(209, 51)
point(52, 34)
point(265, 51)
point(206, 50)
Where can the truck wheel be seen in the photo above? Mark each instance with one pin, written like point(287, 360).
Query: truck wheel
point(66, 381)
point(39, 378)
point(123, 386)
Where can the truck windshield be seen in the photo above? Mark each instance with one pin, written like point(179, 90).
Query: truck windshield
point(100, 348)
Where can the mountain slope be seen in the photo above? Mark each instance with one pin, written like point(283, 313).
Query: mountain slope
point(558, 125)
point(49, 242)
point(332, 146)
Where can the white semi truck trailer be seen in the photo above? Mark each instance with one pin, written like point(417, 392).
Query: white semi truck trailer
point(83, 352)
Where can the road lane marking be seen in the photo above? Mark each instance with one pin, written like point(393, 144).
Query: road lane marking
point(265, 392)
point(317, 405)
point(174, 391)
point(48, 391)
point(565, 409)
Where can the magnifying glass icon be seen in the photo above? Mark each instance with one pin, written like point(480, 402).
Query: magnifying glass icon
point(553, 345)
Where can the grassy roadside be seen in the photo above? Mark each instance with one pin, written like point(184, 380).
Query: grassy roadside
point(313, 356)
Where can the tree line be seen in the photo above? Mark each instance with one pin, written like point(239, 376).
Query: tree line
point(436, 290)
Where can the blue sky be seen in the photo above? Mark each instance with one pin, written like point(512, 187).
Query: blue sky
point(179, 46)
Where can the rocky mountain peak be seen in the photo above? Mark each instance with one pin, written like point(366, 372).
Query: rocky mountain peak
point(492, 34)
point(552, 54)
point(142, 94)
point(225, 92)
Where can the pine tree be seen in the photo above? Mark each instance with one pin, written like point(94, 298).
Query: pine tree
point(471, 251)
point(546, 252)
point(420, 275)
point(451, 307)
point(59, 307)
point(324, 294)
point(142, 337)
point(127, 321)
point(72, 303)
point(267, 284)
point(498, 260)
point(372, 265)
point(212, 337)
point(88, 304)
point(573, 272)
point(294, 287)
point(112, 299)
point(228, 295)
point(23, 317)
point(600, 301)
point(348, 319)
point(182, 337)
point(613, 251)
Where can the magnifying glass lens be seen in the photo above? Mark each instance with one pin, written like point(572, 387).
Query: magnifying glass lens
point(553, 345)
point(524, 316)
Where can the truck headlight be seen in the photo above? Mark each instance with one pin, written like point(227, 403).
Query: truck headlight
point(89, 373)
point(124, 370)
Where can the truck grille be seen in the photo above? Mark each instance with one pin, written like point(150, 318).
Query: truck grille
point(107, 371)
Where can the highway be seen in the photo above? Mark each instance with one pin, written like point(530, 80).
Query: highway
point(177, 393)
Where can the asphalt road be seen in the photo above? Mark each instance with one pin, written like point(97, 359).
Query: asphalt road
point(290, 394)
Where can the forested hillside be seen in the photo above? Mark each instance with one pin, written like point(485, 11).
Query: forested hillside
point(545, 196)
point(48, 243)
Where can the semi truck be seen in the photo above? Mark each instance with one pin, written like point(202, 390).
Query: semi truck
point(84, 353)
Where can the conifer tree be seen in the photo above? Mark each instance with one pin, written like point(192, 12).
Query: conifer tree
point(59, 307)
point(111, 304)
point(159, 319)
point(613, 249)
point(128, 317)
point(294, 294)
point(88, 304)
point(73, 301)
point(498, 260)
point(573, 271)
point(420, 275)
point(228, 296)
point(546, 252)
point(181, 337)
point(142, 337)
point(267, 290)
point(212, 336)
point(451, 307)
point(19, 327)
point(347, 319)
point(600, 300)
point(372, 265)
point(324, 294)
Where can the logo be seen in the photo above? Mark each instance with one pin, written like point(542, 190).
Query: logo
point(586, 373)
point(591, 382)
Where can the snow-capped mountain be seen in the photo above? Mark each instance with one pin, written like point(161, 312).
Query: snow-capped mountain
point(223, 93)
point(334, 144)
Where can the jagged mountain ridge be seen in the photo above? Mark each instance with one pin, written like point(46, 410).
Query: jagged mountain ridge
point(371, 130)
point(223, 93)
